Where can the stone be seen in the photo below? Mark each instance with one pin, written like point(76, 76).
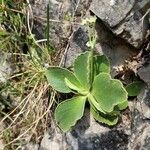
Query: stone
point(140, 114)
point(30, 146)
point(144, 72)
point(127, 19)
point(111, 15)
point(143, 103)
point(62, 14)
point(6, 67)
point(1, 141)
point(77, 46)
point(53, 140)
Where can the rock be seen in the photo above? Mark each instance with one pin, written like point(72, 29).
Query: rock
point(6, 67)
point(62, 14)
point(127, 19)
point(144, 72)
point(1, 141)
point(140, 114)
point(113, 47)
point(1, 145)
point(143, 103)
point(112, 15)
point(30, 146)
point(53, 140)
point(77, 45)
point(140, 140)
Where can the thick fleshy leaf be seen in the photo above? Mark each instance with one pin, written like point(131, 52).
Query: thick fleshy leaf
point(80, 89)
point(82, 69)
point(104, 118)
point(56, 78)
point(69, 112)
point(134, 88)
point(108, 92)
point(123, 105)
point(94, 103)
point(101, 64)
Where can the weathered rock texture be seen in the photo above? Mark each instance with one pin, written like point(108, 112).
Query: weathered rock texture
point(62, 15)
point(128, 19)
point(144, 72)
point(6, 66)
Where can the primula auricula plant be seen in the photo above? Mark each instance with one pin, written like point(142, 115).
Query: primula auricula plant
point(90, 82)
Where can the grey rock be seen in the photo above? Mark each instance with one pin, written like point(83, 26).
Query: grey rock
point(6, 67)
point(140, 140)
point(1, 141)
point(77, 45)
point(112, 15)
point(113, 47)
point(143, 103)
point(54, 139)
point(30, 146)
point(61, 18)
point(1, 145)
point(144, 72)
point(40, 19)
point(140, 115)
point(127, 19)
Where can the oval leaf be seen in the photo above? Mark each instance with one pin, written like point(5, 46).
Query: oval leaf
point(56, 78)
point(101, 64)
point(134, 88)
point(69, 111)
point(103, 118)
point(82, 69)
point(108, 92)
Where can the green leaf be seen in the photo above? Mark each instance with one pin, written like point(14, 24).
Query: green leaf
point(108, 92)
point(79, 89)
point(56, 78)
point(104, 118)
point(82, 69)
point(123, 105)
point(94, 103)
point(101, 64)
point(69, 112)
point(134, 88)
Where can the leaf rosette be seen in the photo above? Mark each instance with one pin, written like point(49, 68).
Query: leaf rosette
point(92, 83)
